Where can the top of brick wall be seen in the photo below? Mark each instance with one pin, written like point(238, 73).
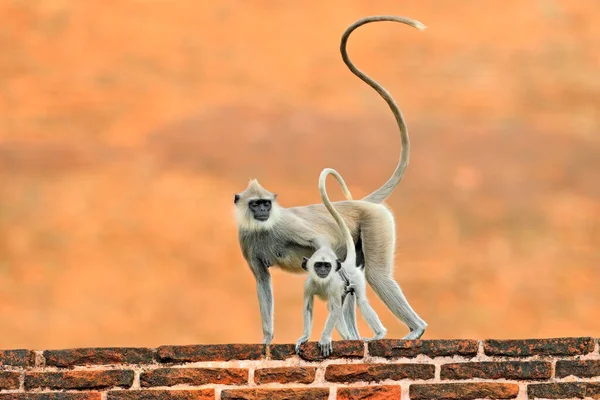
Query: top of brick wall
point(466, 369)
point(387, 348)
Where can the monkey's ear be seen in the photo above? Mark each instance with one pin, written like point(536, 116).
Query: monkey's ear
point(274, 196)
point(236, 198)
point(304, 263)
point(339, 265)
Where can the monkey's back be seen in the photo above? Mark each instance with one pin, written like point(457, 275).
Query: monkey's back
point(355, 214)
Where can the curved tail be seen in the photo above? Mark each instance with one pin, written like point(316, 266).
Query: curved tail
point(388, 187)
point(350, 250)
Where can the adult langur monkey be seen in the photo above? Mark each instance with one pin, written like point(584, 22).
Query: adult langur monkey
point(271, 235)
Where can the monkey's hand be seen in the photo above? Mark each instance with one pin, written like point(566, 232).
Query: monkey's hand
point(299, 343)
point(326, 346)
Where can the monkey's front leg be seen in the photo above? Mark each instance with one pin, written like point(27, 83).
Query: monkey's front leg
point(335, 313)
point(308, 315)
point(264, 290)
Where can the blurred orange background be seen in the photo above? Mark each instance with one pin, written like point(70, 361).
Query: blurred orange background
point(126, 129)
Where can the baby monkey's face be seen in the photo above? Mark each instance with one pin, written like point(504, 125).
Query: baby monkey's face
point(323, 262)
point(322, 268)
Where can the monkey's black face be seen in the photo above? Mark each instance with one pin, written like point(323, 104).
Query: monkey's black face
point(260, 209)
point(322, 268)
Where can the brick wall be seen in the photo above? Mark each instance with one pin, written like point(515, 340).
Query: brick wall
point(386, 369)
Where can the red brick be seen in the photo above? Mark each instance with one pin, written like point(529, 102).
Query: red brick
point(281, 351)
point(377, 372)
point(395, 348)
point(9, 380)
point(542, 347)
point(51, 396)
point(79, 379)
point(211, 352)
point(202, 394)
point(498, 370)
point(463, 391)
point(98, 356)
point(557, 390)
point(310, 351)
point(194, 376)
point(579, 368)
point(276, 394)
point(285, 375)
point(17, 358)
point(593, 390)
point(564, 390)
point(369, 393)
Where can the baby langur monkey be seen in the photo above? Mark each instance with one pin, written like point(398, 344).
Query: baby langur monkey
point(336, 282)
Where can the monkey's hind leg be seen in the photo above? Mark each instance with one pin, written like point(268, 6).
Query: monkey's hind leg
point(390, 293)
point(342, 327)
point(349, 315)
point(379, 244)
point(370, 316)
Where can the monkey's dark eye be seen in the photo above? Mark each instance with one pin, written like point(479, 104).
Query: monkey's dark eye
point(236, 198)
point(253, 204)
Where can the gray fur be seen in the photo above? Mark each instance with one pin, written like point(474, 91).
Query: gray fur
point(388, 187)
point(329, 288)
point(349, 315)
point(292, 233)
point(334, 287)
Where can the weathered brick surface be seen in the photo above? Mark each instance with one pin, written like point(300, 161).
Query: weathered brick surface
point(463, 391)
point(51, 396)
point(310, 350)
point(9, 380)
point(531, 370)
point(369, 393)
point(542, 347)
point(213, 352)
point(17, 358)
point(579, 368)
point(593, 390)
point(98, 356)
point(83, 374)
point(200, 394)
point(377, 372)
point(79, 379)
point(395, 348)
point(194, 376)
point(285, 375)
point(276, 394)
point(281, 351)
point(561, 390)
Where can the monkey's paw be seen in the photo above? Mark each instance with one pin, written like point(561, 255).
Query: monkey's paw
point(299, 343)
point(376, 337)
point(414, 334)
point(326, 346)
